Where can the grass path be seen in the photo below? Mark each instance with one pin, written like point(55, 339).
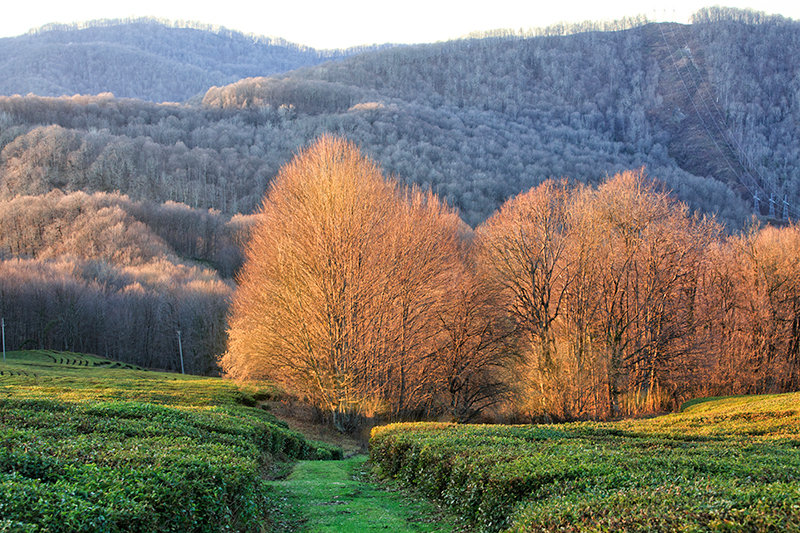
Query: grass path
point(338, 496)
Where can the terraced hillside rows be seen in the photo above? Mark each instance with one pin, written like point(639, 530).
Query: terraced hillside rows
point(87, 445)
point(729, 464)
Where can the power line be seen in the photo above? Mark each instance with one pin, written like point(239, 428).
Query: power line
point(180, 348)
point(697, 111)
point(730, 140)
point(720, 129)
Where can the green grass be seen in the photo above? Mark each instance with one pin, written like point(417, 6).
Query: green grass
point(339, 497)
point(730, 464)
point(87, 445)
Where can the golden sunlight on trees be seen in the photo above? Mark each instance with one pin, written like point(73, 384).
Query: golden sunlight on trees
point(523, 250)
point(754, 297)
point(475, 347)
point(651, 255)
point(600, 284)
point(344, 288)
point(371, 299)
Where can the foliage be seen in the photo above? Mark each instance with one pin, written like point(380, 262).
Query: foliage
point(727, 464)
point(755, 289)
point(601, 286)
point(585, 302)
point(128, 313)
point(623, 303)
point(89, 447)
point(113, 228)
point(477, 120)
point(103, 274)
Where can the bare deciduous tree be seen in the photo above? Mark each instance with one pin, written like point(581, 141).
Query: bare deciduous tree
point(339, 294)
point(601, 285)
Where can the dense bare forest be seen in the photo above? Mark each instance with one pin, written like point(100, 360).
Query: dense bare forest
point(123, 220)
point(477, 120)
point(102, 274)
point(144, 58)
point(373, 300)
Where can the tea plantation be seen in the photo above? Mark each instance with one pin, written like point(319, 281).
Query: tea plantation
point(730, 464)
point(87, 444)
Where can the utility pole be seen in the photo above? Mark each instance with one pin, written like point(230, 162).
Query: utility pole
point(180, 349)
point(3, 327)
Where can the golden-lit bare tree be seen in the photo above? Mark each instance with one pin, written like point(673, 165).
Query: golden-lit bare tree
point(754, 312)
point(601, 285)
point(344, 276)
point(305, 313)
point(421, 258)
point(475, 346)
point(523, 249)
point(649, 258)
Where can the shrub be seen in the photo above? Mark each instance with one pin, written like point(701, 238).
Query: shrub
point(729, 464)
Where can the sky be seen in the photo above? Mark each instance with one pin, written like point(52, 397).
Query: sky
point(345, 23)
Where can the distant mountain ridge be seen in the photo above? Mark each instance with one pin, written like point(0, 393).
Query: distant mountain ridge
point(144, 58)
point(711, 109)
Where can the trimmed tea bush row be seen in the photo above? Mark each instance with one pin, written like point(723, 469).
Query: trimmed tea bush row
point(731, 465)
point(161, 456)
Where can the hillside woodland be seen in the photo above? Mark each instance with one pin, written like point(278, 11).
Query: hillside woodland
point(710, 109)
point(102, 274)
point(371, 299)
point(113, 202)
point(143, 58)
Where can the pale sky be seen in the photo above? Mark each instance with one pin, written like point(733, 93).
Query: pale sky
point(344, 23)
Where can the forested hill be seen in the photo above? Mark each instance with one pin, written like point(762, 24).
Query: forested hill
point(712, 109)
point(122, 218)
point(716, 100)
point(142, 58)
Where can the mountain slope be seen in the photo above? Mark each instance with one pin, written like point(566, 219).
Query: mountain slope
point(102, 274)
point(476, 120)
point(143, 58)
point(716, 99)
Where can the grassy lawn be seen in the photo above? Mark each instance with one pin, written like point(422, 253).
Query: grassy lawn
point(729, 464)
point(340, 497)
point(90, 445)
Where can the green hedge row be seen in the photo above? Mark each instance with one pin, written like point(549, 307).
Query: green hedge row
point(132, 466)
point(601, 477)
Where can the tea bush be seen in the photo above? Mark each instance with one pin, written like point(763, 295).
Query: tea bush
point(91, 448)
point(728, 464)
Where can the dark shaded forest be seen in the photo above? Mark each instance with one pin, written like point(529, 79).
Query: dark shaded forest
point(102, 274)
